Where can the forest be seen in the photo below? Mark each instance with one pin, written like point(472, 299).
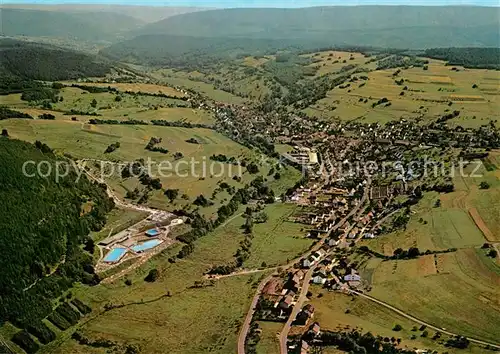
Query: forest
point(24, 62)
point(479, 58)
point(44, 223)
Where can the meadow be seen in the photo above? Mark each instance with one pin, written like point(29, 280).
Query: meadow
point(459, 290)
point(336, 312)
point(428, 94)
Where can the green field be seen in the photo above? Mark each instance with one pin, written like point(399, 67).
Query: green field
point(446, 289)
point(367, 316)
point(196, 320)
point(428, 95)
point(269, 342)
point(118, 220)
point(277, 240)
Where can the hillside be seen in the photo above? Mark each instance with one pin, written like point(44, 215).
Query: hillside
point(384, 26)
point(43, 225)
point(184, 51)
point(145, 14)
point(95, 26)
point(26, 61)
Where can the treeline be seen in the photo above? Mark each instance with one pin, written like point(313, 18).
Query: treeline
point(162, 123)
point(480, 58)
point(63, 317)
point(102, 89)
point(7, 113)
point(180, 124)
point(399, 253)
point(357, 342)
point(399, 61)
point(117, 122)
point(43, 226)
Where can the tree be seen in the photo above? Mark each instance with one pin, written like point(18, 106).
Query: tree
point(172, 194)
point(5, 132)
point(397, 328)
point(118, 98)
point(152, 275)
point(93, 104)
point(492, 253)
point(425, 334)
point(484, 185)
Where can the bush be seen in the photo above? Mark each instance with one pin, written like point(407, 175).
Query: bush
point(397, 328)
point(484, 185)
point(152, 276)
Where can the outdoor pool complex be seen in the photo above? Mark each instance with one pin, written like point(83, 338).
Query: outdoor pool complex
point(115, 255)
point(146, 245)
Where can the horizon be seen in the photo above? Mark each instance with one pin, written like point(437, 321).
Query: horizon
point(256, 3)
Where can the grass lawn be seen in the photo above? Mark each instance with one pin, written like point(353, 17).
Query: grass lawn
point(446, 290)
point(278, 239)
point(368, 316)
point(118, 220)
point(269, 342)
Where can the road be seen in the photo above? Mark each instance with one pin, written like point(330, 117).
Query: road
point(248, 319)
point(296, 309)
point(410, 317)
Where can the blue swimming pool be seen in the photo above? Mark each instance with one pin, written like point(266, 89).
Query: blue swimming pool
point(146, 245)
point(115, 255)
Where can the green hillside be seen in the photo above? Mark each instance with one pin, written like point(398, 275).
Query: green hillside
point(386, 26)
point(23, 62)
point(42, 227)
point(184, 51)
point(92, 26)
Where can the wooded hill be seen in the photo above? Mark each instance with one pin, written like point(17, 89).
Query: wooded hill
point(91, 26)
point(23, 62)
point(413, 27)
point(43, 226)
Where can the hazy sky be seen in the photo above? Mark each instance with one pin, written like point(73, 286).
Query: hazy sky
point(263, 3)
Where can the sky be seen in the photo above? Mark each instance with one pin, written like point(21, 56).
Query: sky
point(261, 3)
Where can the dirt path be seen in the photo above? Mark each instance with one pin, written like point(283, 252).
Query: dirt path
point(412, 318)
point(482, 225)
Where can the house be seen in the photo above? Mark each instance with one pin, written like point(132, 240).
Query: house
point(309, 310)
point(308, 262)
point(315, 329)
point(286, 302)
point(319, 278)
point(352, 277)
point(333, 242)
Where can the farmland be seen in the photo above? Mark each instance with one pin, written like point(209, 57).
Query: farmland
point(466, 219)
point(336, 311)
point(419, 94)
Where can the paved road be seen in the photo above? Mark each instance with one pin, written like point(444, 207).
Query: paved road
point(248, 319)
point(410, 317)
point(296, 309)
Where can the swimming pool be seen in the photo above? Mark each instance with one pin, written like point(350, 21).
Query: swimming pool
point(115, 255)
point(146, 245)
